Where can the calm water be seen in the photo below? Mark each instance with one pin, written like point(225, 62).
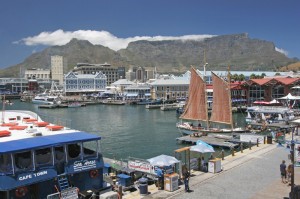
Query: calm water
point(125, 130)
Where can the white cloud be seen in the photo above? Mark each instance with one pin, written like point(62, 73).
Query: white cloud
point(60, 37)
point(282, 51)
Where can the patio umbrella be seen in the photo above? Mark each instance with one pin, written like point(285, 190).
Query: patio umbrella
point(163, 160)
point(202, 148)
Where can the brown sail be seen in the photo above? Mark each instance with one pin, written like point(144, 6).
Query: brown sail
point(221, 108)
point(196, 107)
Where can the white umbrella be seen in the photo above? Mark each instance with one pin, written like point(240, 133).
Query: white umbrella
point(202, 148)
point(163, 160)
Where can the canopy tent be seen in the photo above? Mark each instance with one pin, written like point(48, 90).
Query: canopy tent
point(202, 148)
point(290, 97)
point(163, 160)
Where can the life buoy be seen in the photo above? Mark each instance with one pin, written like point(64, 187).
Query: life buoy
point(94, 173)
point(21, 192)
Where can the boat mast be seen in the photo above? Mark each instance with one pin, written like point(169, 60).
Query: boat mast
point(205, 93)
point(229, 96)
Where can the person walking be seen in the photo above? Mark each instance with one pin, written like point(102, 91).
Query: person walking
point(283, 171)
point(186, 177)
point(289, 172)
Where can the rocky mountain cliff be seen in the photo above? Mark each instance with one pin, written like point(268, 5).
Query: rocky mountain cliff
point(238, 51)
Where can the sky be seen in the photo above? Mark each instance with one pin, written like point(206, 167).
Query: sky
point(29, 26)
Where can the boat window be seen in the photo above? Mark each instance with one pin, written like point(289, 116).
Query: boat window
point(23, 160)
point(74, 151)
point(5, 163)
point(43, 156)
point(89, 149)
point(59, 154)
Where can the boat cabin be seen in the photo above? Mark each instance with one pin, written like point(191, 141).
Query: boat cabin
point(50, 163)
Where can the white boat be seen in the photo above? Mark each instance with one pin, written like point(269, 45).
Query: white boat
point(196, 108)
point(44, 99)
point(269, 114)
point(169, 107)
point(40, 159)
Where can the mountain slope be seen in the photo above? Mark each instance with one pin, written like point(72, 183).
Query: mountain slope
point(238, 51)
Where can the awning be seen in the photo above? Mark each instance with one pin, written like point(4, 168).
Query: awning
point(46, 141)
point(131, 94)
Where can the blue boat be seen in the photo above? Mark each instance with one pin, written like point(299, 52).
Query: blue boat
point(43, 160)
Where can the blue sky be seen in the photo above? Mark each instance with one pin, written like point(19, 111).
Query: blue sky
point(28, 26)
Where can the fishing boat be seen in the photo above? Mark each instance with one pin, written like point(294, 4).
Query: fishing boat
point(196, 108)
point(39, 159)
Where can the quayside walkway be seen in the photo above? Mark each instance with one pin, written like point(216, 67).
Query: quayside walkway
point(253, 174)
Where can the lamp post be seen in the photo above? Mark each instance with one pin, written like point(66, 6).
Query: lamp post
point(293, 164)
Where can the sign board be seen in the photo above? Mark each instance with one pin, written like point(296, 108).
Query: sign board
point(194, 163)
point(142, 166)
point(70, 193)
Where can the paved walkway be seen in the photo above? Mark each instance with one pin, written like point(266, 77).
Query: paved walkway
point(252, 174)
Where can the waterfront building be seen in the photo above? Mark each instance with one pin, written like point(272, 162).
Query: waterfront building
point(137, 92)
point(267, 89)
point(112, 73)
point(170, 88)
point(37, 73)
point(84, 83)
point(57, 69)
point(121, 84)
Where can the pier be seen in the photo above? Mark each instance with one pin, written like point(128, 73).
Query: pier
point(218, 142)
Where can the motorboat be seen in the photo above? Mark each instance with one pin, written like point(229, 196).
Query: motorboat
point(44, 99)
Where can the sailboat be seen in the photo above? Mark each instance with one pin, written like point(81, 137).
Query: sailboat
point(196, 108)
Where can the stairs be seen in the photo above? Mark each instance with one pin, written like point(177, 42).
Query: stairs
point(63, 182)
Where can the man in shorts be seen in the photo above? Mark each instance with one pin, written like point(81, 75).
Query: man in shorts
point(283, 171)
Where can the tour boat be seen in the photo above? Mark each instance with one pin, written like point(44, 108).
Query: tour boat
point(38, 162)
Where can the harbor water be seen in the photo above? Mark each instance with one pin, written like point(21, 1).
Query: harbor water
point(126, 130)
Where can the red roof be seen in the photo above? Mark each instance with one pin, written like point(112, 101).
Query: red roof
point(287, 81)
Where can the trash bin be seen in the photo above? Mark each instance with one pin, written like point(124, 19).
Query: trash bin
point(296, 192)
point(143, 186)
point(269, 139)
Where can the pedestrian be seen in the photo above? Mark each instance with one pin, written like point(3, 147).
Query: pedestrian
point(283, 171)
point(186, 177)
point(289, 172)
point(160, 175)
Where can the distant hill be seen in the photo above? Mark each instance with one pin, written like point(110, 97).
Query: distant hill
point(238, 51)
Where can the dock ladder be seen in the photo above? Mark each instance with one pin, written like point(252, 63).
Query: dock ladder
point(63, 182)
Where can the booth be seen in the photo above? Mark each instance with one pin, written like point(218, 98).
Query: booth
point(171, 182)
point(214, 165)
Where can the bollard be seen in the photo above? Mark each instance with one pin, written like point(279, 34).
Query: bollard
point(232, 151)
point(257, 142)
point(241, 147)
point(250, 145)
point(264, 139)
point(222, 154)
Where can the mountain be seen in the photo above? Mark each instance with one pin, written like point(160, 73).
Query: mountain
point(237, 50)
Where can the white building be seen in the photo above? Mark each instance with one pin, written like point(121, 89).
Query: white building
point(170, 88)
point(137, 91)
point(37, 73)
point(57, 68)
point(121, 84)
point(84, 83)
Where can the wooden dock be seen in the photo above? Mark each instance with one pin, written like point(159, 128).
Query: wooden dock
point(224, 143)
